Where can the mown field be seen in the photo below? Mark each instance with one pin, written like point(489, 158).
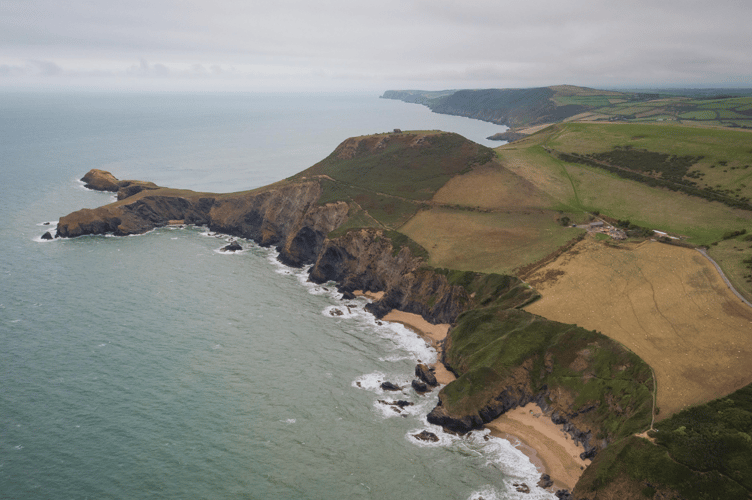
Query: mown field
point(495, 242)
point(665, 303)
point(582, 187)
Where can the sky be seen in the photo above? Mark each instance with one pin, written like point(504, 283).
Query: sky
point(350, 45)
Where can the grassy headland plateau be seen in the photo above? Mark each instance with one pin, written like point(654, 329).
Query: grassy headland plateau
point(602, 327)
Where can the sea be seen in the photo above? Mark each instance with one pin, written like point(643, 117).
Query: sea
point(157, 367)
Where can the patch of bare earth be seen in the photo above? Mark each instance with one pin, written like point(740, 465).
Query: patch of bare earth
point(667, 304)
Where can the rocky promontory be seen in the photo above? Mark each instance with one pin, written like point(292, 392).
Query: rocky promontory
point(102, 180)
point(330, 217)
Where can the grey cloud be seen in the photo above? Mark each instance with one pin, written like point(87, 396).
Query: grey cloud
point(438, 43)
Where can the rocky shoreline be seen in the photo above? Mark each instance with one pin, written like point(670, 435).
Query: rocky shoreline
point(289, 217)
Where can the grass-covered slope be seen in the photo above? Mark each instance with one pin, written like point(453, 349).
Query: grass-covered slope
point(505, 357)
point(688, 181)
point(701, 453)
point(387, 178)
point(410, 165)
point(446, 193)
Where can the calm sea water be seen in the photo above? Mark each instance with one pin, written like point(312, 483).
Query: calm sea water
point(154, 366)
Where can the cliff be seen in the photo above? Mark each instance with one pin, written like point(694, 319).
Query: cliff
point(286, 216)
point(340, 216)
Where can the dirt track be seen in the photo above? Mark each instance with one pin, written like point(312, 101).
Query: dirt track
point(667, 304)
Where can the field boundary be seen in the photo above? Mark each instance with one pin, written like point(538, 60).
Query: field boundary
point(723, 276)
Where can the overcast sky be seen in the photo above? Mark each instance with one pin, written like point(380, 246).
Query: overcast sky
point(373, 46)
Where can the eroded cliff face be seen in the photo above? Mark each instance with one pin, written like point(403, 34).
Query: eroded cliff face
point(365, 260)
point(287, 217)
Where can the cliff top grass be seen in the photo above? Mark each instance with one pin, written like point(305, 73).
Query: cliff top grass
point(666, 303)
point(494, 347)
point(584, 187)
point(701, 453)
point(409, 165)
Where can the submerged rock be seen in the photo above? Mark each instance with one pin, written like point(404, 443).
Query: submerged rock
point(420, 387)
point(522, 487)
point(388, 386)
point(234, 246)
point(396, 405)
point(424, 373)
point(427, 436)
point(545, 481)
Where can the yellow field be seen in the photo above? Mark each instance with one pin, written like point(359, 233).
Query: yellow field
point(492, 187)
point(487, 242)
point(667, 304)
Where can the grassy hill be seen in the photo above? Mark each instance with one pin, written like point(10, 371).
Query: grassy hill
point(465, 207)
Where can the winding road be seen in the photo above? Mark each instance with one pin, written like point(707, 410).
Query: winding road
point(725, 279)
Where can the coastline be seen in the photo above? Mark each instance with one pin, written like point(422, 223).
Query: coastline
point(548, 447)
point(434, 335)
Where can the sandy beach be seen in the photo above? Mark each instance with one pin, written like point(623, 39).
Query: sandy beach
point(433, 334)
point(547, 446)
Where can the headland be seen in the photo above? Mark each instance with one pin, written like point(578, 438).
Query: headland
point(439, 232)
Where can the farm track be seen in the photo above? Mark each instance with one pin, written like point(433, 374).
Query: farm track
point(723, 275)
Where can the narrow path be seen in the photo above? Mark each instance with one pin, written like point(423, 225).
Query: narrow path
point(725, 279)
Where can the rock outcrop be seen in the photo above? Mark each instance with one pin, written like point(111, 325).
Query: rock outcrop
point(287, 217)
point(102, 180)
point(366, 260)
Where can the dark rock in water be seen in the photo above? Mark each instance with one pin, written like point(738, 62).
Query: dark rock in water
point(563, 495)
point(388, 386)
point(336, 312)
point(47, 236)
point(380, 323)
point(522, 487)
point(398, 405)
point(234, 246)
point(46, 224)
point(420, 387)
point(545, 481)
point(426, 375)
point(427, 436)
point(347, 295)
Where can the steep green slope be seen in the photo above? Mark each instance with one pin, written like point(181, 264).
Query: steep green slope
point(508, 357)
point(701, 453)
point(387, 178)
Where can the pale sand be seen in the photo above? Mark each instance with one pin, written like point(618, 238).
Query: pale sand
point(433, 334)
point(370, 295)
point(547, 446)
